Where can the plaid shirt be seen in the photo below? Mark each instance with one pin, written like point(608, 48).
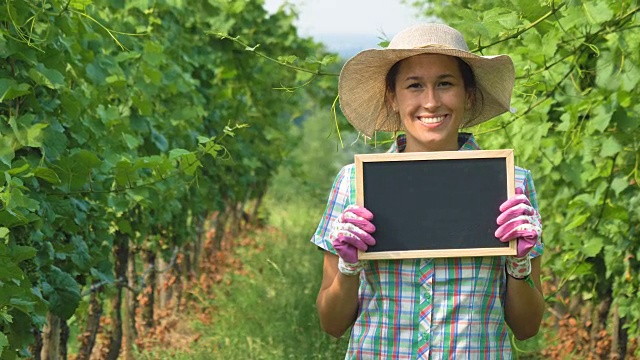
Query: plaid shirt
point(442, 308)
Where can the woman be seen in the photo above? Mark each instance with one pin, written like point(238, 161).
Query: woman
point(427, 84)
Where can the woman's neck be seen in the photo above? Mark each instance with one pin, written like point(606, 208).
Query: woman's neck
point(413, 146)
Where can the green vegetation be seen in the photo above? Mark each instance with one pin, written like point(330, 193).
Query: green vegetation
point(123, 126)
point(126, 125)
point(576, 127)
point(266, 309)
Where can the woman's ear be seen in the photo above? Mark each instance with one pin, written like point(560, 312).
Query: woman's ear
point(471, 99)
point(391, 101)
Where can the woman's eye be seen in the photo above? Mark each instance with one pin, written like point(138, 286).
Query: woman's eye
point(445, 84)
point(414, 86)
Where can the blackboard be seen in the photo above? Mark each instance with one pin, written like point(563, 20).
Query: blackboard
point(435, 204)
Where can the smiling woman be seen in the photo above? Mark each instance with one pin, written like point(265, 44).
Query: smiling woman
point(428, 85)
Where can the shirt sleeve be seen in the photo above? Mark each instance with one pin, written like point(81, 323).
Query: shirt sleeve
point(339, 198)
point(530, 192)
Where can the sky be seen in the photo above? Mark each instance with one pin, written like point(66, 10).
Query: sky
point(350, 25)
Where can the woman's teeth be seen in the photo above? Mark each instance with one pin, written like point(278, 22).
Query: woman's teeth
point(432, 120)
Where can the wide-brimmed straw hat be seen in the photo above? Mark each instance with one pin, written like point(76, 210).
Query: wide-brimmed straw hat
point(362, 84)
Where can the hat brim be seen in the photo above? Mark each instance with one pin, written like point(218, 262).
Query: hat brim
point(362, 86)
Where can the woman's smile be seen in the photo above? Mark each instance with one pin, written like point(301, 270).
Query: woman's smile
point(431, 120)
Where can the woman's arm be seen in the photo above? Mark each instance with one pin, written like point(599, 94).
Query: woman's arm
point(337, 300)
point(524, 304)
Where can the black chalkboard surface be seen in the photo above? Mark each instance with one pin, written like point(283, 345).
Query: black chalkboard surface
point(435, 204)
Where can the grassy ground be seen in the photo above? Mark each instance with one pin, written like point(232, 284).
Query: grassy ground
point(265, 307)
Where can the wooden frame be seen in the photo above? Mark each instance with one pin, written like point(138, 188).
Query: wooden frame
point(419, 162)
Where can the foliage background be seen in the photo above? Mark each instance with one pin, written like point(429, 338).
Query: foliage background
point(128, 128)
point(576, 127)
point(124, 126)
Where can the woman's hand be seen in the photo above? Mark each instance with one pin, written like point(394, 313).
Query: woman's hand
point(352, 232)
point(519, 221)
point(337, 300)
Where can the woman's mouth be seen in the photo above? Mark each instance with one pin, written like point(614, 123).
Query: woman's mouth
point(432, 119)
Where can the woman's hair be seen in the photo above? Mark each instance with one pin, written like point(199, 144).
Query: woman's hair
point(468, 78)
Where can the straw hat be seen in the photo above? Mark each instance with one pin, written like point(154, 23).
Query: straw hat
point(362, 85)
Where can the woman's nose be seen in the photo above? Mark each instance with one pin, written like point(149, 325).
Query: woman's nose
point(431, 99)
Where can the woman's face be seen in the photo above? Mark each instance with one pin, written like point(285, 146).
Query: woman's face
point(430, 98)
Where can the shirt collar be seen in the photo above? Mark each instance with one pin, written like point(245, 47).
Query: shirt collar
point(466, 141)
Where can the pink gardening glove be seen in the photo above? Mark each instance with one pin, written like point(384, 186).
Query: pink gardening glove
point(519, 220)
point(352, 232)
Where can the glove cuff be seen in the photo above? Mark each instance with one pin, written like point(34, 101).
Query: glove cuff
point(350, 269)
point(518, 267)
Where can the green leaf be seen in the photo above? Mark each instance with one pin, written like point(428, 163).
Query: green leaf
point(125, 173)
point(17, 168)
point(86, 159)
point(103, 271)
point(619, 184)
point(109, 115)
point(4, 342)
point(600, 119)
point(212, 149)
point(153, 53)
point(4, 232)
point(62, 292)
point(577, 221)
point(26, 132)
point(289, 59)
point(80, 255)
point(3, 315)
point(95, 73)
point(9, 89)
point(7, 152)
point(74, 170)
point(9, 270)
point(26, 306)
point(47, 175)
point(176, 153)
point(592, 247)
point(610, 147)
point(124, 226)
point(116, 80)
point(328, 59)
point(625, 123)
point(189, 164)
point(54, 144)
point(616, 212)
point(18, 130)
point(145, 107)
point(20, 253)
point(153, 75)
point(34, 135)
point(597, 11)
point(17, 199)
point(46, 77)
point(79, 4)
point(131, 141)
